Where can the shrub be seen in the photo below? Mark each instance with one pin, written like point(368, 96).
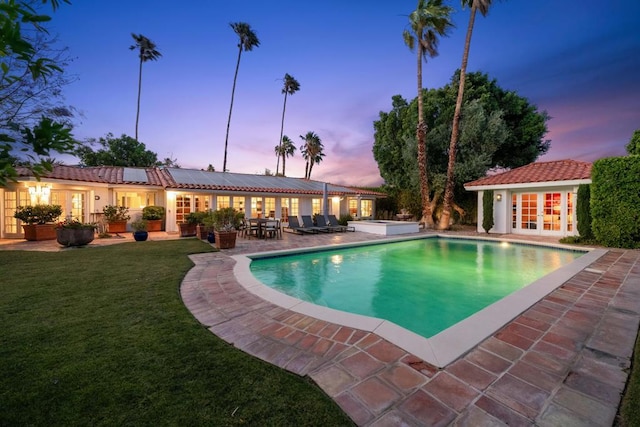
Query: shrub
point(487, 210)
point(344, 219)
point(615, 201)
point(116, 213)
point(152, 212)
point(583, 211)
point(38, 214)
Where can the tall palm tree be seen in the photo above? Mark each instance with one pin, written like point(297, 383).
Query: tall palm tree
point(146, 52)
point(285, 149)
point(290, 87)
point(312, 152)
point(445, 218)
point(247, 41)
point(430, 20)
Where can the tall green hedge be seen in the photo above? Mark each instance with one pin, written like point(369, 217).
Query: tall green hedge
point(583, 211)
point(487, 210)
point(615, 201)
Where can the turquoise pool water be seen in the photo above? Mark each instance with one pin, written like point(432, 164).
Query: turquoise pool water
point(424, 285)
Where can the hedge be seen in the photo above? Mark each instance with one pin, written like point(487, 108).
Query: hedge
point(615, 201)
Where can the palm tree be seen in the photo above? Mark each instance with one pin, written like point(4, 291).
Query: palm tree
point(430, 20)
point(248, 40)
point(146, 52)
point(483, 7)
point(290, 87)
point(285, 149)
point(311, 151)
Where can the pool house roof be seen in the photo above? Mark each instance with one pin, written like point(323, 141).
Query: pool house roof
point(193, 179)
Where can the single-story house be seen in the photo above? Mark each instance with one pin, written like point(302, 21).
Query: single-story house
point(539, 198)
point(84, 191)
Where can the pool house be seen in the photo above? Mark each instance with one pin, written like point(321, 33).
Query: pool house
point(536, 199)
point(84, 191)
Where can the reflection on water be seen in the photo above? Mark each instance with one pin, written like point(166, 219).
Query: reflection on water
point(422, 285)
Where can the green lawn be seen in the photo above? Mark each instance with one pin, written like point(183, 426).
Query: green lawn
point(99, 336)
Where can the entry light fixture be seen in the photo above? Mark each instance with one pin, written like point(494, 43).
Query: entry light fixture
point(499, 197)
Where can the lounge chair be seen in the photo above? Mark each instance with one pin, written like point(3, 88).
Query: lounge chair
point(295, 227)
point(333, 221)
point(322, 222)
point(307, 223)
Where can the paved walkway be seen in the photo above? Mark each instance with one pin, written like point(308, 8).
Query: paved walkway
point(563, 362)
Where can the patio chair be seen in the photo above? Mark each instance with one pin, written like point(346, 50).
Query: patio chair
point(333, 221)
point(271, 228)
point(295, 226)
point(307, 222)
point(322, 222)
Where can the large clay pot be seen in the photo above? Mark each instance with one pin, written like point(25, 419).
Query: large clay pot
point(154, 225)
point(117, 226)
point(36, 232)
point(74, 236)
point(187, 230)
point(225, 239)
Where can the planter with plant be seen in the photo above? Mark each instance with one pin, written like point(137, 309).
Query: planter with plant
point(71, 232)
point(140, 230)
point(226, 222)
point(116, 218)
point(38, 221)
point(188, 228)
point(154, 215)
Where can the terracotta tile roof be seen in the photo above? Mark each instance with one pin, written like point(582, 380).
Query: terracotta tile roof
point(189, 179)
point(559, 170)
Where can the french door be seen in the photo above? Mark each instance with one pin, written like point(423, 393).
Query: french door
point(549, 213)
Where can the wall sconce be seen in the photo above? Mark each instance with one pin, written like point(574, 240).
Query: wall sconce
point(39, 194)
point(499, 197)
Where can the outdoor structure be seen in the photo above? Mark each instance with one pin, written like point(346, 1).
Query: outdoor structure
point(537, 199)
point(83, 192)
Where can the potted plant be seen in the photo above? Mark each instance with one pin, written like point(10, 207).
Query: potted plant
point(226, 222)
point(116, 218)
point(71, 232)
point(207, 225)
point(38, 221)
point(154, 216)
point(188, 228)
point(140, 232)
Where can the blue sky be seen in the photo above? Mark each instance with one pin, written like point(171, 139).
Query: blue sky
point(578, 64)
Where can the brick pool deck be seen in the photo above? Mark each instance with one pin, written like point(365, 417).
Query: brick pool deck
point(562, 362)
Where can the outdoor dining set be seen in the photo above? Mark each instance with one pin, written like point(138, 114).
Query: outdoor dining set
point(264, 228)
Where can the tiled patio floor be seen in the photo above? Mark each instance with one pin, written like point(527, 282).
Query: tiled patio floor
point(563, 362)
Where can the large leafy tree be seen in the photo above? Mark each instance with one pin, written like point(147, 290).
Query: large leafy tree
point(123, 151)
point(500, 130)
point(146, 52)
point(312, 152)
point(290, 87)
point(247, 41)
point(445, 218)
point(31, 127)
point(285, 149)
point(633, 147)
point(430, 20)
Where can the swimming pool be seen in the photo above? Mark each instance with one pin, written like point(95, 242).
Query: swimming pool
point(445, 346)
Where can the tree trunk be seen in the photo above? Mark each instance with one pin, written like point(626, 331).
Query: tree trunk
point(233, 91)
point(280, 153)
point(421, 136)
point(139, 92)
point(445, 219)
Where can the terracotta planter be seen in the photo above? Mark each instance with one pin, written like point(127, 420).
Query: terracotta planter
point(187, 230)
point(154, 225)
point(74, 236)
point(36, 232)
point(225, 239)
point(117, 226)
point(203, 231)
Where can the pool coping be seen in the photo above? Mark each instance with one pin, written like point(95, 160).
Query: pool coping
point(448, 345)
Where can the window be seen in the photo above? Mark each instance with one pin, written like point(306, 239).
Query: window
point(256, 207)
point(514, 210)
point(353, 207)
point(223, 202)
point(529, 217)
point(316, 206)
point(238, 203)
point(569, 212)
point(366, 208)
point(551, 211)
point(270, 206)
point(183, 207)
point(294, 206)
point(284, 209)
point(134, 199)
point(77, 206)
point(288, 207)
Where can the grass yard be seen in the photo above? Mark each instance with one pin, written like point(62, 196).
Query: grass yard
point(99, 336)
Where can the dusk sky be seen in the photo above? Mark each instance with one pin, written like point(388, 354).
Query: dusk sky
point(579, 61)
